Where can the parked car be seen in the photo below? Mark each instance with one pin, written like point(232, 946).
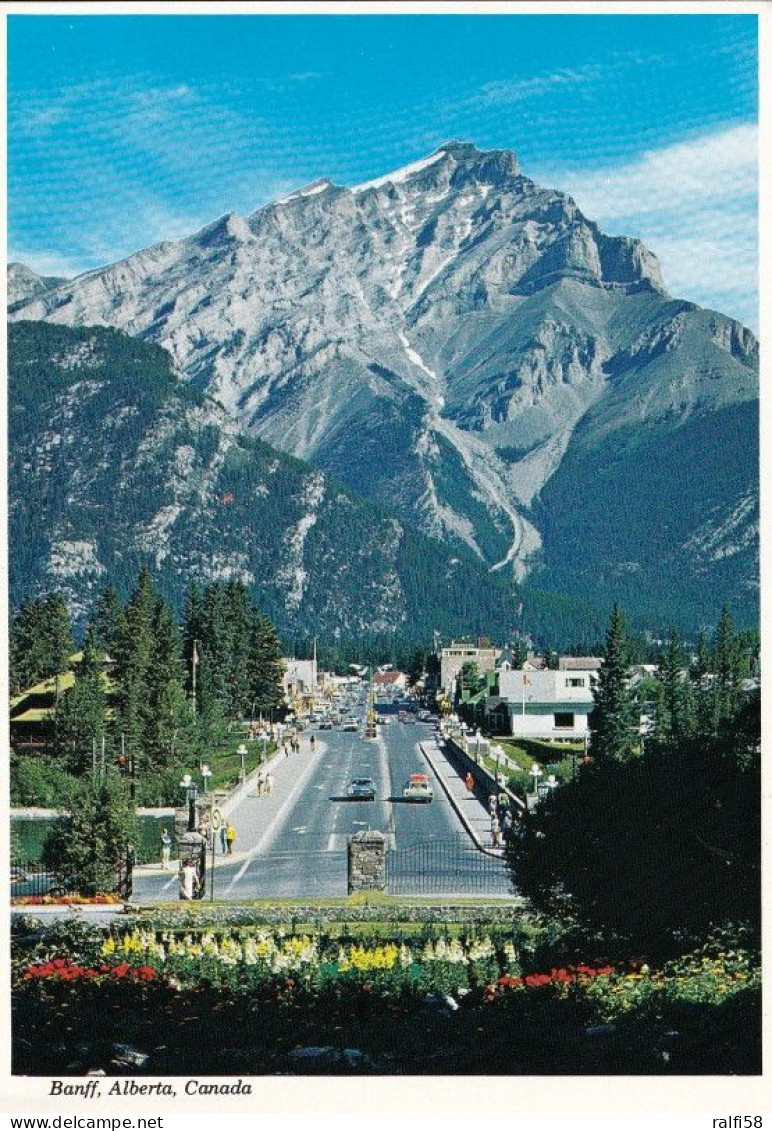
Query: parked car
point(417, 788)
point(361, 789)
point(35, 883)
point(325, 724)
point(350, 725)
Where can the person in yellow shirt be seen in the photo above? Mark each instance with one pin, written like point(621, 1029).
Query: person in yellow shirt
point(230, 836)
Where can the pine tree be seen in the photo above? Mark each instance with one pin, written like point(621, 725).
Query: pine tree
point(167, 731)
point(133, 650)
point(675, 709)
point(27, 646)
point(725, 697)
point(110, 621)
point(519, 652)
point(267, 667)
point(237, 615)
point(79, 722)
point(89, 843)
point(58, 635)
point(613, 730)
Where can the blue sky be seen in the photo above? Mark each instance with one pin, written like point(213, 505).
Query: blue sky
point(125, 130)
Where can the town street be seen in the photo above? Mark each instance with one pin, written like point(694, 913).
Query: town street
point(293, 843)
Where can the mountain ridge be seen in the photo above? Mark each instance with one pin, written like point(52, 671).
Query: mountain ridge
point(440, 338)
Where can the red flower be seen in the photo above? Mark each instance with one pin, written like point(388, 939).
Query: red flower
point(122, 970)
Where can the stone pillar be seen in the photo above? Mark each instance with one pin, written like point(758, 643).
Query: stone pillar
point(367, 862)
point(192, 846)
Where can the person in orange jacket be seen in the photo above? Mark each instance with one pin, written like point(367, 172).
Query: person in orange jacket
point(470, 782)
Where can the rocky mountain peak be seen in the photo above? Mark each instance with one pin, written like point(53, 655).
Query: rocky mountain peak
point(436, 337)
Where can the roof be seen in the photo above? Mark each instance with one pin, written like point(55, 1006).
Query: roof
point(387, 677)
point(579, 663)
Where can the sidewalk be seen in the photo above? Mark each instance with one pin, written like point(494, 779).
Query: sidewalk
point(472, 808)
point(253, 817)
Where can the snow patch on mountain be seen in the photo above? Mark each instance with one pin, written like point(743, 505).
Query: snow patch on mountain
point(401, 175)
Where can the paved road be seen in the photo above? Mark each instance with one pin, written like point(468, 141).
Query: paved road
point(293, 844)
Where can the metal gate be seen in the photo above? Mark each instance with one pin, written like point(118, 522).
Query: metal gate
point(445, 867)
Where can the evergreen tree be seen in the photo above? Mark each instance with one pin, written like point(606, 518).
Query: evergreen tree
point(519, 652)
point(79, 723)
point(110, 621)
point(702, 690)
point(725, 697)
point(675, 707)
point(469, 678)
point(613, 730)
point(27, 646)
point(167, 733)
point(57, 635)
point(237, 616)
point(133, 651)
point(213, 691)
point(267, 667)
point(89, 843)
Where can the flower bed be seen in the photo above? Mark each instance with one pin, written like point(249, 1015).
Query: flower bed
point(219, 999)
point(102, 899)
point(68, 971)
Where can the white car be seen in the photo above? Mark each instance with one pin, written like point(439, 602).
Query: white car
point(417, 788)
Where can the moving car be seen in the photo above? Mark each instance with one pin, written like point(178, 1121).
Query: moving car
point(325, 724)
point(350, 724)
point(417, 788)
point(361, 789)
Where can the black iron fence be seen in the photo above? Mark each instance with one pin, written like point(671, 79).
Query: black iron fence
point(32, 878)
point(445, 867)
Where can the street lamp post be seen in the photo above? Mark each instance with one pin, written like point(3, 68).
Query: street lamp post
point(477, 738)
point(206, 774)
point(242, 752)
point(537, 771)
point(499, 749)
point(191, 793)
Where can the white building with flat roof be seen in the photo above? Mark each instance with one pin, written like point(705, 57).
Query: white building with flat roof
point(543, 704)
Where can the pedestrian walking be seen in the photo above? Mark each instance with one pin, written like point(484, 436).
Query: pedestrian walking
point(496, 832)
point(470, 782)
point(313, 744)
point(166, 850)
point(260, 783)
point(189, 884)
point(269, 784)
point(223, 839)
point(506, 825)
point(286, 750)
point(230, 837)
point(493, 805)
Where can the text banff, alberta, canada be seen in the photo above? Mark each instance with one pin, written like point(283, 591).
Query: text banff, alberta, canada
point(95, 1089)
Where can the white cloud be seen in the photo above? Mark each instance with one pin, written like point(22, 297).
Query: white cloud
point(694, 204)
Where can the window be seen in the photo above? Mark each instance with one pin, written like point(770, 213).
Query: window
point(575, 682)
point(564, 720)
